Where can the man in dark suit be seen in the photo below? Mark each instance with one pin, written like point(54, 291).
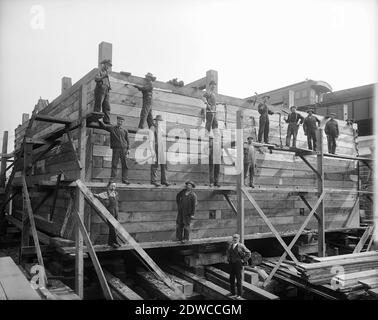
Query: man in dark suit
point(101, 92)
point(264, 119)
point(237, 255)
point(332, 131)
point(310, 126)
point(119, 143)
point(186, 204)
point(294, 119)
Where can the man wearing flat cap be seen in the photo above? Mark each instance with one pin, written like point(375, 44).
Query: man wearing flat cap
point(101, 92)
point(186, 201)
point(294, 119)
point(310, 126)
point(332, 131)
point(146, 112)
point(264, 120)
point(211, 107)
point(158, 150)
point(119, 143)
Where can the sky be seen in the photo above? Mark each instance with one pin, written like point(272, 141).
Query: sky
point(254, 45)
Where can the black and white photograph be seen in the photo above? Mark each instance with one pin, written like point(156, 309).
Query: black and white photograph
point(188, 156)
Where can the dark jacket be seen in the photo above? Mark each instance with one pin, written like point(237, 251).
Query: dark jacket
point(186, 205)
point(102, 82)
point(119, 137)
point(264, 110)
point(332, 128)
point(309, 123)
point(294, 118)
point(240, 254)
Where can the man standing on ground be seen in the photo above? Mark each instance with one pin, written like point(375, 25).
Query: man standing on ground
point(250, 163)
point(146, 112)
point(101, 92)
point(332, 131)
point(237, 255)
point(119, 143)
point(264, 120)
point(310, 127)
point(158, 152)
point(294, 119)
point(186, 204)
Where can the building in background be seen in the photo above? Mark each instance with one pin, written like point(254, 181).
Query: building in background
point(303, 93)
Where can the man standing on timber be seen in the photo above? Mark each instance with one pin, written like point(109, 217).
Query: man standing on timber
point(146, 112)
point(101, 92)
point(119, 143)
point(294, 119)
point(237, 256)
point(264, 120)
point(110, 199)
point(186, 201)
point(211, 107)
point(157, 147)
point(310, 127)
point(332, 131)
point(250, 163)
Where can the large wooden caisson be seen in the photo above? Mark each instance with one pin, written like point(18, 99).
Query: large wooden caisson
point(148, 213)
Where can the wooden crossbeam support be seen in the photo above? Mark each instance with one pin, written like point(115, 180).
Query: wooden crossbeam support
point(300, 194)
point(10, 166)
point(47, 195)
point(3, 164)
point(100, 274)
point(32, 222)
point(230, 203)
point(269, 224)
point(310, 165)
point(56, 190)
point(69, 136)
point(51, 119)
point(321, 188)
point(368, 232)
point(125, 236)
point(305, 223)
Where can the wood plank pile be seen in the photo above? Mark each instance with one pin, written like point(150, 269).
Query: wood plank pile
point(322, 271)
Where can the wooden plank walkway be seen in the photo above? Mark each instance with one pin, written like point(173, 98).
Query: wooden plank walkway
point(13, 283)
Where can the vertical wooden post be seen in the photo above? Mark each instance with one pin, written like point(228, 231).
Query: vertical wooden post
point(66, 84)
point(320, 211)
point(240, 175)
point(79, 257)
point(4, 160)
point(104, 52)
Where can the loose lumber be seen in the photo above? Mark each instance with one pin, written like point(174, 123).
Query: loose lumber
point(121, 289)
point(13, 283)
point(248, 287)
point(201, 285)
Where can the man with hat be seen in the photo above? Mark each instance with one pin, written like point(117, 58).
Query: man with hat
point(332, 131)
point(119, 143)
point(211, 107)
point(101, 92)
point(294, 119)
point(309, 128)
point(146, 112)
point(264, 119)
point(186, 201)
point(250, 162)
point(158, 148)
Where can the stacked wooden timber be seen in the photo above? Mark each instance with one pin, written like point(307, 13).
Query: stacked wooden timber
point(327, 268)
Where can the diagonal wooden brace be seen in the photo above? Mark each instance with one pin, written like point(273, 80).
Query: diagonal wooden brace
point(230, 203)
point(100, 274)
point(310, 165)
point(305, 223)
point(307, 204)
point(269, 224)
point(125, 236)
